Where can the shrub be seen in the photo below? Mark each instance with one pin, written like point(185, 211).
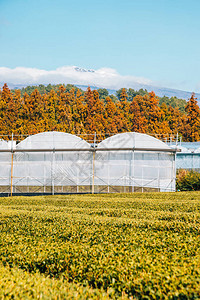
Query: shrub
point(188, 180)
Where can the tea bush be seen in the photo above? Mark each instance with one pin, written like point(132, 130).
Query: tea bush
point(129, 246)
point(188, 180)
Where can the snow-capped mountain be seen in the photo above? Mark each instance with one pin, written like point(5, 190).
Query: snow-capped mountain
point(102, 78)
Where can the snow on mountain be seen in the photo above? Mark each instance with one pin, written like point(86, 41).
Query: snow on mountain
point(102, 78)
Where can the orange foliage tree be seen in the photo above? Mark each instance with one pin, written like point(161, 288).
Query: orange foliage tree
point(64, 113)
point(79, 112)
point(192, 121)
point(94, 121)
point(33, 113)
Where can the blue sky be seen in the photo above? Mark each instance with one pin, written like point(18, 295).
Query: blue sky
point(156, 41)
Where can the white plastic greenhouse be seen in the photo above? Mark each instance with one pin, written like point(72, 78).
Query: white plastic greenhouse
point(57, 162)
point(188, 159)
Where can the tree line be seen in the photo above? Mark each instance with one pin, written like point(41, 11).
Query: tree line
point(69, 109)
point(103, 93)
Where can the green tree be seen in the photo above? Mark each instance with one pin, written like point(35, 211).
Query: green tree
point(103, 93)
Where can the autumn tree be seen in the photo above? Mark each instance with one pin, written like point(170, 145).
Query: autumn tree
point(175, 119)
point(110, 116)
point(156, 117)
point(5, 98)
point(192, 122)
point(50, 110)
point(33, 113)
point(14, 113)
point(123, 106)
point(79, 112)
point(64, 113)
point(139, 122)
point(11, 118)
point(94, 121)
point(69, 109)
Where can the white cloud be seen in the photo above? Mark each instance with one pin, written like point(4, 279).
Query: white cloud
point(104, 77)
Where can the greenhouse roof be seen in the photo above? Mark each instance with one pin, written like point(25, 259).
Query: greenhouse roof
point(60, 141)
point(53, 140)
point(134, 140)
point(4, 144)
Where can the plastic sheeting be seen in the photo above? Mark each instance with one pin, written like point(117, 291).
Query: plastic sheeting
point(5, 167)
point(133, 140)
point(135, 170)
point(188, 160)
point(189, 157)
point(54, 171)
point(53, 140)
point(56, 162)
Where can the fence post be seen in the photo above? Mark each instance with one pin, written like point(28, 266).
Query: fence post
point(11, 178)
point(52, 172)
point(177, 139)
point(93, 163)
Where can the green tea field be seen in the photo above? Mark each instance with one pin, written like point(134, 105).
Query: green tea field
point(115, 246)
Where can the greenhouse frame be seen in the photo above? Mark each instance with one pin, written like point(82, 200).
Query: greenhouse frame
point(57, 162)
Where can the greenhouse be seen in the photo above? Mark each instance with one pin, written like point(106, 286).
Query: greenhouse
point(57, 162)
point(188, 158)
